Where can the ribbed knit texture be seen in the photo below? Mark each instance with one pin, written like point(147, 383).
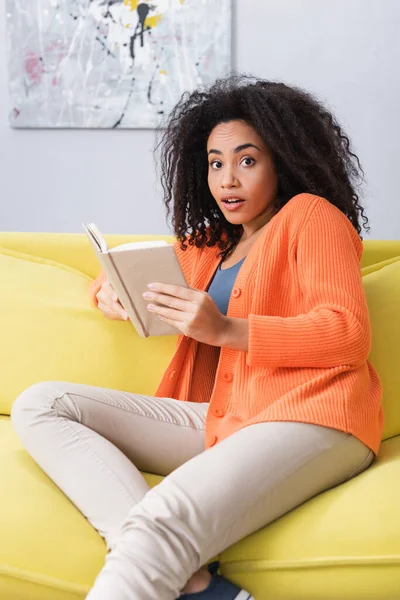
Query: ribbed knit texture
point(309, 331)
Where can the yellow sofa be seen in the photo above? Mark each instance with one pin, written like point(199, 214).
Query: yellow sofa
point(343, 544)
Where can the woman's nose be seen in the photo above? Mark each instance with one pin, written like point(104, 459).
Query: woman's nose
point(228, 179)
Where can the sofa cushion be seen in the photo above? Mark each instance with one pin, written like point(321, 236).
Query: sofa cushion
point(377, 266)
point(343, 544)
point(374, 251)
point(382, 288)
point(50, 331)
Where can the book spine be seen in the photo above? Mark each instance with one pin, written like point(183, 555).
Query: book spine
point(139, 323)
point(110, 269)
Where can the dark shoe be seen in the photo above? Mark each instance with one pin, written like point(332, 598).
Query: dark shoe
point(219, 589)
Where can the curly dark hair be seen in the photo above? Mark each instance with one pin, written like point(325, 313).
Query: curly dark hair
point(311, 153)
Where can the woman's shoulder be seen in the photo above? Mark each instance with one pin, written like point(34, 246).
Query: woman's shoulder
point(315, 216)
point(303, 205)
point(306, 211)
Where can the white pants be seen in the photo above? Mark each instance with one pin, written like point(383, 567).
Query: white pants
point(92, 442)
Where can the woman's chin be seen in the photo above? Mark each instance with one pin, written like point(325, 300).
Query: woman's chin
point(234, 219)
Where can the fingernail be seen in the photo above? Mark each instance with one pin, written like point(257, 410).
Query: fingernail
point(125, 316)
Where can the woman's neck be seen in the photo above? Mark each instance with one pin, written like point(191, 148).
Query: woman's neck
point(255, 228)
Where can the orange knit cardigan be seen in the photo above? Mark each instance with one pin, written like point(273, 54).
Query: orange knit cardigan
point(300, 287)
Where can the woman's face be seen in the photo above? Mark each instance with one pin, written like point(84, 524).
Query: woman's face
point(240, 167)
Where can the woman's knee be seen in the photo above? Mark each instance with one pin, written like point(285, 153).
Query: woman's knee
point(34, 403)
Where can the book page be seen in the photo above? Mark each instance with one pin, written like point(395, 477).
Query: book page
point(95, 236)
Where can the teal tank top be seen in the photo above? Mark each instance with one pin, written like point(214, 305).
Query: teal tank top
point(221, 285)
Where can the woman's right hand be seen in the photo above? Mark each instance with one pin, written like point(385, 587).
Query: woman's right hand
point(108, 303)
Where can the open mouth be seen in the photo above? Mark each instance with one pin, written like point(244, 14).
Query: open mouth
point(233, 203)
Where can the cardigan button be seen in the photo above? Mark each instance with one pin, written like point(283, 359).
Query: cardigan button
point(213, 441)
point(172, 374)
point(219, 412)
point(227, 377)
point(236, 292)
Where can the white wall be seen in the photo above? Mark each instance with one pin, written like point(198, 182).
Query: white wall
point(345, 51)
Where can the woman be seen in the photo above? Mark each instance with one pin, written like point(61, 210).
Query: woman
point(269, 398)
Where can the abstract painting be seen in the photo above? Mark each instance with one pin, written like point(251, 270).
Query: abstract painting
point(111, 63)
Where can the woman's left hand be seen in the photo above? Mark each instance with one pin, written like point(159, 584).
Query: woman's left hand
point(191, 311)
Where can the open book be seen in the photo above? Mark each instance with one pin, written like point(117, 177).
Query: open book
point(129, 268)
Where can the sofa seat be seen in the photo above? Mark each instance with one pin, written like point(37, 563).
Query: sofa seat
point(344, 543)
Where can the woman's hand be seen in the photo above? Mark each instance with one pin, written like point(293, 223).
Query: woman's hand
point(191, 311)
point(108, 303)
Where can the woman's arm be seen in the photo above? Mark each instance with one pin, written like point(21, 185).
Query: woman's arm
point(335, 330)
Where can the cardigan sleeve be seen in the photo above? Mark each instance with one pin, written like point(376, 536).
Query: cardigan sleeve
point(335, 328)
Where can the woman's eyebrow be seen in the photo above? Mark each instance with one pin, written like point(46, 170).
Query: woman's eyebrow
point(214, 151)
point(236, 150)
point(244, 146)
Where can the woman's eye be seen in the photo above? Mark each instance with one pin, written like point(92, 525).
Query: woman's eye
point(215, 164)
point(247, 161)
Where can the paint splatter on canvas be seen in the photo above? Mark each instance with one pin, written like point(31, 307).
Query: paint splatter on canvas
point(111, 63)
